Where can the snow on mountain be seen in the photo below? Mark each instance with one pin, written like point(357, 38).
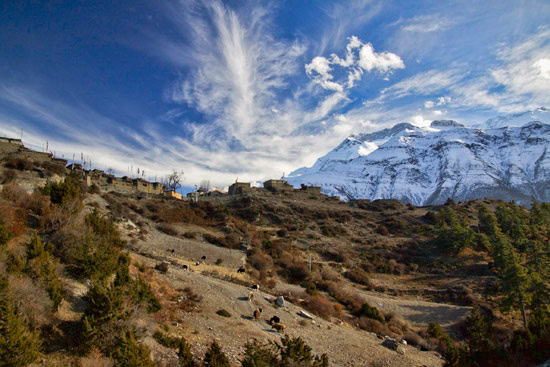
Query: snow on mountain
point(518, 119)
point(428, 165)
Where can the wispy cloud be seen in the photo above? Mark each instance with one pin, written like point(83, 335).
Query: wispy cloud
point(428, 23)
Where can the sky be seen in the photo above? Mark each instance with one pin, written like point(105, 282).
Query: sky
point(251, 90)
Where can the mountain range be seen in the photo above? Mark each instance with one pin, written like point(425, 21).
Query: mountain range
point(506, 158)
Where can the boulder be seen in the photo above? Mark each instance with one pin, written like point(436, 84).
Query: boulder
point(280, 301)
point(306, 315)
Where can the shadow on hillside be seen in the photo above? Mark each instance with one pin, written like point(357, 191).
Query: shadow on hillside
point(443, 315)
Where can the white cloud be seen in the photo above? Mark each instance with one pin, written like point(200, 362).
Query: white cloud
point(429, 104)
point(359, 58)
point(543, 67)
point(428, 23)
point(424, 83)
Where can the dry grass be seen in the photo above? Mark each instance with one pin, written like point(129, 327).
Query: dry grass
point(32, 300)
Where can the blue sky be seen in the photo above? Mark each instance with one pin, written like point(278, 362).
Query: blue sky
point(252, 89)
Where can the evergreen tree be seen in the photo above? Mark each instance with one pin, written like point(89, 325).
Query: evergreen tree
point(128, 353)
point(19, 346)
point(185, 356)
point(215, 357)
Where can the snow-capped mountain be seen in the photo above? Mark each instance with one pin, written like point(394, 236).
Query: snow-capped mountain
point(505, 158)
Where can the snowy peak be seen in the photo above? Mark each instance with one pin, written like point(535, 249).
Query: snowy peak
point(445, 124)
point(518, 119)
point(428, 165)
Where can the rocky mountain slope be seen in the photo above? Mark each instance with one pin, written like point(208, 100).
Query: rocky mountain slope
point(505, 158)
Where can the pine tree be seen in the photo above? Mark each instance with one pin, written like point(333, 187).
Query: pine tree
point(185, 356)
point(19, 346)
point(128, 353)
point(478, 333)
point(215, 357)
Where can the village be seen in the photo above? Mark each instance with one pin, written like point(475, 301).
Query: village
point(14, 150)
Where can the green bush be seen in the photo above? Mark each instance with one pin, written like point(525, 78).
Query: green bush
point(215, 357)
point(370, 312)
point(295, 351)
point(141, 292)
point(128, 353)
point(5, 234)
point(223, 313)
point(260, 354)
point(41, 265)
point(185, 356)
point(19, 346)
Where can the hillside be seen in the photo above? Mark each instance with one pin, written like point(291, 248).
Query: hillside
point(506, 158)
point(116, 274)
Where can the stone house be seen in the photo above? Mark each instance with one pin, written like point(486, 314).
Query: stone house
point(277, 185)
point(239, 188)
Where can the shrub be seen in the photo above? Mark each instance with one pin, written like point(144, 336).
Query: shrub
point(33, 301)
point(383, 230)
point(223, 313)
point(128, 353)
point(359, 276)
point(162, 267)
point(260, 354)
point(413, 338)
point(215, 357)
point(19, 164)
point(5, 234)
point(168, 229)
point(219, 261)
point(166, 340)
point(295, 351)
point(141, 292)
point(41, 264)
point(19, 346)
point(370, 312)
point(320, 306)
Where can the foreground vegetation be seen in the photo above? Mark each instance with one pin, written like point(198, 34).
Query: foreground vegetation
point(50, 235)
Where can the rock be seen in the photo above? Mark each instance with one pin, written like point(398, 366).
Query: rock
point(306, 315)
point(390, 343)
point(280, 301)
point(545, 364)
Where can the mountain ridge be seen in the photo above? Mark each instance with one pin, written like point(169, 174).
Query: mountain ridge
point(505, 158)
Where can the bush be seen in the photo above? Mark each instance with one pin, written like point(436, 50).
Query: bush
point(214, 356)
point(295, 351)
point(359, 276)
point(19, 346)
point(320, 306)
point(168, 229)
point(162, 267)
point(166, 340)
point(20, 164)
point(370, 312)
point(141, 292)
point(5, 234)
point(413, 338)
point(128, 353)
point(223, 313)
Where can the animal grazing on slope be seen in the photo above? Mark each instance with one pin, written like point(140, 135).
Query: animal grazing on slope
point(257, 313)
point(250, 296)
point(173, 252)
point(240, 270)
point(185, 267)
point(274, 320)
point(197, 263)
point(255, 287)
point(279, 327)
point(203, 258)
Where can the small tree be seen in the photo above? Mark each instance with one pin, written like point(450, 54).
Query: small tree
point(173, 180)
point(128, 353)
point(19, 346)
point(215, 357)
